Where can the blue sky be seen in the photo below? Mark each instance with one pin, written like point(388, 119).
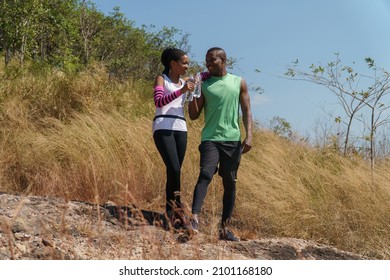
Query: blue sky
point(269, 35)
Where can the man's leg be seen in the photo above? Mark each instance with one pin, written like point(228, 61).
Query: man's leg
point(209, 157)
point(229, 163)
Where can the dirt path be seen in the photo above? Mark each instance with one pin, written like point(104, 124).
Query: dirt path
point(49, 228)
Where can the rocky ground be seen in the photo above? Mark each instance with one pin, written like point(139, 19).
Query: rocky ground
point(50, 228)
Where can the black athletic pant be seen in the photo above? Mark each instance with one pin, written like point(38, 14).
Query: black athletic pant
point(227, 155)
point(172, 147)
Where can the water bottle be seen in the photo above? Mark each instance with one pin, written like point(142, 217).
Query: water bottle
point(198, 85)
point(190, 94)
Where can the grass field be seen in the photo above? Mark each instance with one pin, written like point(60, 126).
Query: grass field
point(88, 138)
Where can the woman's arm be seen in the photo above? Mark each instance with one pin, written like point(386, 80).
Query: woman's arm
point(159, 99)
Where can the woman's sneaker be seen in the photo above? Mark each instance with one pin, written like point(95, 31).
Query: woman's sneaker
point(195, 223)
point(227, 235)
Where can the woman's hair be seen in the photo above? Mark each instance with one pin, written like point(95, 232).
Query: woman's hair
point(168, 55)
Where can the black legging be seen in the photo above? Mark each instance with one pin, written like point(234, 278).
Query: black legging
point(172, 147)
point(227, 154)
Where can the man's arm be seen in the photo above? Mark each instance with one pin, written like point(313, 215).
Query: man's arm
point(246, 116)
point(195, 107)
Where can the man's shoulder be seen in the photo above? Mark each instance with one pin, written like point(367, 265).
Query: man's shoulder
point(234, 77)
point(228, 78)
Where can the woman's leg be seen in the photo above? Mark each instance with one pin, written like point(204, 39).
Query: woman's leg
point(170, 147)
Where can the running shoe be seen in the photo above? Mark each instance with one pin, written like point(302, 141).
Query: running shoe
point(227, 235)
point(195, 223)
point(192, 225)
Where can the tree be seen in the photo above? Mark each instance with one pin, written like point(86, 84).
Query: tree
point(378, 109)
point(70, 34)
point(90, 21)
point(58, 32)
point(161, 39)
point(359, 94)
point(36, 29)
point(17, 27)
point(281, 127)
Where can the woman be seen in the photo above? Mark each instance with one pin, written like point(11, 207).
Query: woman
point(169, 124)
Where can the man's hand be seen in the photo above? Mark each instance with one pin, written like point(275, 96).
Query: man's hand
point(246, 145)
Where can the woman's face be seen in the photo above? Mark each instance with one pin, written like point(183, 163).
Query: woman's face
point(181, 66)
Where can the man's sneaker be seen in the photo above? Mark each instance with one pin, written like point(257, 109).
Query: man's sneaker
point(227, 235)
point(174, 220)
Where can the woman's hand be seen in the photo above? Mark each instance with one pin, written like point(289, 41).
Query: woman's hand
point(188, 86)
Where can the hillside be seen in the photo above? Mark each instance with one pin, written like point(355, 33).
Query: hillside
point(48, 228)
point(87, 138)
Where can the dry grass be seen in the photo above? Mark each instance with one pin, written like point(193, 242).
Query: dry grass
point(291, 190)
point(88, 138)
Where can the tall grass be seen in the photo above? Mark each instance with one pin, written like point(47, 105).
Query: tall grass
point(87, 138)
point(291, 190)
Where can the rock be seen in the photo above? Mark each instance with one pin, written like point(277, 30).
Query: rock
point(22, 236)
point(22, 248)
point(50, 228)
point(47, 243)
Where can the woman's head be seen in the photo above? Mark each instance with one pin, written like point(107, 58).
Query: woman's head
point(171, 57)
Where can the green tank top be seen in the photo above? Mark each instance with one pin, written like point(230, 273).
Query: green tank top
point(221, 109)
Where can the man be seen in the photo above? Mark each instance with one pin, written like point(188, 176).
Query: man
point(221, 143)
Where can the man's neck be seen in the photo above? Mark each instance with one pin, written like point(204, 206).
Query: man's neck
point(221, 74)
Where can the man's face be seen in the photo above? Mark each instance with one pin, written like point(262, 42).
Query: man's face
point(214, 63)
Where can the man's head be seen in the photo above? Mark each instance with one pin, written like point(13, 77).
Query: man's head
point(216, 61)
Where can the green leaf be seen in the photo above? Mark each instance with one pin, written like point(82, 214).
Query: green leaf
point(370, 62)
